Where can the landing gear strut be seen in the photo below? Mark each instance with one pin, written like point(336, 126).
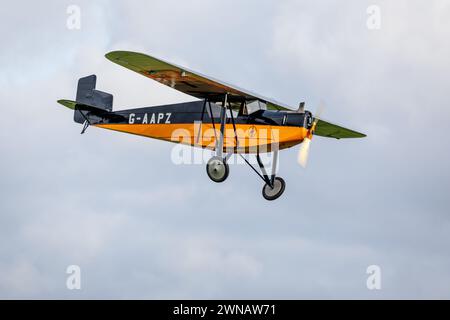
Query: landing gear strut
point(274, 186)
point(217, 167)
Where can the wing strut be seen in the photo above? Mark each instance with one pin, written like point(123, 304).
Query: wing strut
point(223, 117)
point(201, 121)
point(234, 126)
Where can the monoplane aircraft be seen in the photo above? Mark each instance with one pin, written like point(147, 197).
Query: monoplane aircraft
point(226, 119)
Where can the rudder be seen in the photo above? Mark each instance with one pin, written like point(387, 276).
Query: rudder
point(87, 95)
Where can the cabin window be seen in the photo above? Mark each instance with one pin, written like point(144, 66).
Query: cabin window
point(255, 106)
point(214, 108)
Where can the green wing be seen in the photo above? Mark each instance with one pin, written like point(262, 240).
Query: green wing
point(329, 130)
point(185, 80)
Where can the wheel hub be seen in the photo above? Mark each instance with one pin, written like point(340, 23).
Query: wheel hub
point(274, 191)
point(217, 169)
point(271, 192)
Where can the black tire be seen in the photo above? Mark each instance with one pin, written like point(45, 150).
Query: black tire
point(274, 193)
point(217, 169)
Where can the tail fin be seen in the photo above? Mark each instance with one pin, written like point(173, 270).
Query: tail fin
point(87, 95)
point(88, 99)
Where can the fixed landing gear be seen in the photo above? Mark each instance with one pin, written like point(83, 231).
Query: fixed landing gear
point(274, 192)
point(217, 169)
point(274, 186)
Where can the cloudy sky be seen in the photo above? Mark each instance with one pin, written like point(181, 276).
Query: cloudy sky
point(140, 226)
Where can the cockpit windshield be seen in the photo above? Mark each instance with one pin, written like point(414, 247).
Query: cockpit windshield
point(255, 105)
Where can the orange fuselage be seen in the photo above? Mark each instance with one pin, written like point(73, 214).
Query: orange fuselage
point(250, 137)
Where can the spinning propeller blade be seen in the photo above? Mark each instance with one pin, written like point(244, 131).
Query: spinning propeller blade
point(303, 151)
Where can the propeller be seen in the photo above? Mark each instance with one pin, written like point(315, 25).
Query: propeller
point(303, 151)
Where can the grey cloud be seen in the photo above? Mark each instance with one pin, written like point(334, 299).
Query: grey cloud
point(141, 227)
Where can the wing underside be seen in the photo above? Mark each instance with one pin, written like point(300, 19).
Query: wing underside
point(187, 81)
point(203, 87)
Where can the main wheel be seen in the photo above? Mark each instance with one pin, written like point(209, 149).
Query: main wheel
point(270, 193)
point(217, 169)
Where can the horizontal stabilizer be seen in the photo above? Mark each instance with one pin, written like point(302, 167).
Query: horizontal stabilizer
point(75, 105)
point(78, 108)
point(68, 103)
